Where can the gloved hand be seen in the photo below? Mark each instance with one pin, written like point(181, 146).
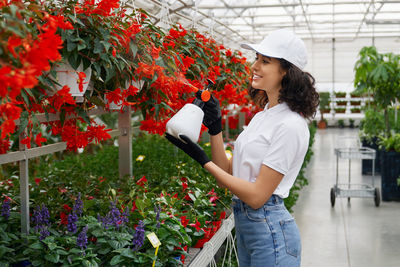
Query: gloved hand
point(190, 148)
point(212, 116)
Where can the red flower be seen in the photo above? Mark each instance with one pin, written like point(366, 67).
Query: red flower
point(184, 186)
point(187, 61)
point(133, 206)
point(62, 97)
point(196, 225)
point(213, 198)
point(114, 96)
point(64, 218)
point(26, 141)
point(67, 208)
point(142, 181)
point(81, 80)
point(39, 139)
point(155, 52)
point(114, 52)
point(223, 215)
point(4, 146)
point(184, 221)
point(38, 180)
point(228, 53)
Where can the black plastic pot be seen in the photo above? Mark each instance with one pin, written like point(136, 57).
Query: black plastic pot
point(366, 164)
point(390, 171)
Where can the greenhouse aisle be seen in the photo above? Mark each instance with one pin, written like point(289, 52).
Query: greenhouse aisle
point(355, 234)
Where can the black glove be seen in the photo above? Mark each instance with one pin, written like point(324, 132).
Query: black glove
point(212, 116)
point(190, 148)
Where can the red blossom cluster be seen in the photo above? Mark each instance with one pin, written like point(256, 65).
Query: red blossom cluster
point(172, 68)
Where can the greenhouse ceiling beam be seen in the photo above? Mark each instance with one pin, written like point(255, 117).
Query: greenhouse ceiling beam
point(365, 16)
point(176, 10)
point(299, 14)
point(302, 23)
point(382, 22)
point(190, 19)
point(305, 17)
point(297, 4)
point(239, 15)
point(290, 14)
point(217, 21)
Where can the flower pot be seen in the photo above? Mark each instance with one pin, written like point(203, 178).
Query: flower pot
point(366, 164)
point(341, 103)
point(390, 171)
point(322, 124)
point(66, 75)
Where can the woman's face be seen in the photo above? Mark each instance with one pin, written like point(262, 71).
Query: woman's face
point(267, 74)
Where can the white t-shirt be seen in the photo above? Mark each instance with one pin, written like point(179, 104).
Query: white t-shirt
point(276, 137)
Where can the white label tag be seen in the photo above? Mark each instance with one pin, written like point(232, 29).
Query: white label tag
point(154, 240)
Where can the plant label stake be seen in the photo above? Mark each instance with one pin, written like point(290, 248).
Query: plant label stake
point(155, 242)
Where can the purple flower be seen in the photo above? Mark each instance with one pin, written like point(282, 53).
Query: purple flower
point(78, 206)
point(114, 217)
point(43, 232)
point(138, 237)
point(40, 216)
point(72, 219)
point(81, 240)
point(5, 209)
point(40, 219)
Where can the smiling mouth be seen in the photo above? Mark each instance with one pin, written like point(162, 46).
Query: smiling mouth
point(255, 77)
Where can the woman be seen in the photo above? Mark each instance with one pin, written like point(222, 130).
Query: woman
point(268, 154)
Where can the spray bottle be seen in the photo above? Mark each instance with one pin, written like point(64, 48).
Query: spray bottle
point(188, 120)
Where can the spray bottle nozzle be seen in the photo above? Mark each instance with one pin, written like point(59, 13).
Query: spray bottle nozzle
point(204, 95)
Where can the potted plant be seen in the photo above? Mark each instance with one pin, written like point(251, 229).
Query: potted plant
point(380, 74)
point(340, 94)
point(340, 110)
point(355, 110)
point(341, 123)
point(100, 42)
point(351, 123)
point(341, 103)
point(324, 101)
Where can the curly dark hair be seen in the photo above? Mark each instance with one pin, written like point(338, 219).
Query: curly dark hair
point(298, 91)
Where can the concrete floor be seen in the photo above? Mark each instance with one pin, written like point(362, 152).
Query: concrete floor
point(355, 234)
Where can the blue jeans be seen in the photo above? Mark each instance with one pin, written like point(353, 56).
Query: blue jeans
point(267, 236)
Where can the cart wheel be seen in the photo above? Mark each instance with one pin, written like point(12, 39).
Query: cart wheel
point(333, 196)
point(377, 197)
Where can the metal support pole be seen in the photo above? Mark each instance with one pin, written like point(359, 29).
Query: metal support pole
point(241, 121)
point(125, 142)
point(24, 188)
point(227, 128)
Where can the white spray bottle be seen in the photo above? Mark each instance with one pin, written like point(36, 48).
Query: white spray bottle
point(188, 119)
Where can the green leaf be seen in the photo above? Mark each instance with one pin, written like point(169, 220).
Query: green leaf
point(114, 244)
point(36, 245)
point(116, 259)
point(51, 245)
point(71, 46)
point(52, 257)
point(134, 49)
point(128, 253)
point(98, 47)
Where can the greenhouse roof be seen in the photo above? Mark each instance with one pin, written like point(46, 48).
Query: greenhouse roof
point(250, 20)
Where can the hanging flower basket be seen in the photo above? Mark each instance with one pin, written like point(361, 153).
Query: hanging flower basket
point(77, 80)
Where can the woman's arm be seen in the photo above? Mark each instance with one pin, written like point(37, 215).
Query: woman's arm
point(253, 194)
point(218, 153)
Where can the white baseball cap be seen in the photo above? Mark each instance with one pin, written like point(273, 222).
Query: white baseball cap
point(282, 44)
